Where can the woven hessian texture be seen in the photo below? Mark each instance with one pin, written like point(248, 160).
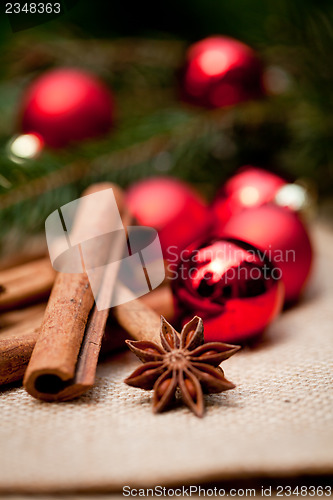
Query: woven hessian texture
point(277, 422)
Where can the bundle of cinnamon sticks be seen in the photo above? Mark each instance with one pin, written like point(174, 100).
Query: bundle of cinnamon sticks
point(56, 346)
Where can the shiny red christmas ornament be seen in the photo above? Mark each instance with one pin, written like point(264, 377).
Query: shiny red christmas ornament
point(249, 187)
point(173, 208)
point(66, 105)
point(231, 285)
point(280, 233)
point(221, 71)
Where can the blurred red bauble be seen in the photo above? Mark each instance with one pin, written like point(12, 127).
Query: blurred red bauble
point(221, 71)
point(170, 206)
point(66, 105)
point(231, 285)
point(249, 187)
point(282, 235)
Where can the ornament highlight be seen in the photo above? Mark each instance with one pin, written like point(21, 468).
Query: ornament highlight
point(281, 234)
point(221, 71)
point(231, 285)
point(173, 208)
point(296, 197)
point(249, 187)
point(66, 105)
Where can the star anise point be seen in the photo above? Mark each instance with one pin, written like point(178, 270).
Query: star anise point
point(184, 361)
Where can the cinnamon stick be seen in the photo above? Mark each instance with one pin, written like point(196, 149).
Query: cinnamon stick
point(15, 352)
point(25, 284)
point(30, 283)
point(20, 318)
point(139, 320)
point(161, 301)
point(51, 373)
point(22, 328)
point(17, 341)
point(85, 370)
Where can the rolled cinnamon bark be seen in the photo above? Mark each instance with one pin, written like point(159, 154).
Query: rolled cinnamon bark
point(139, 320)
point(18, 336)
point(51, 373)
point(20, 318)
point(15, 351)
point(161, 301)
point(31, 282)
point(19, 331)
point(25, 284)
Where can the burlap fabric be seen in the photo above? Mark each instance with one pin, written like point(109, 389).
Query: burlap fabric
point(278, 421)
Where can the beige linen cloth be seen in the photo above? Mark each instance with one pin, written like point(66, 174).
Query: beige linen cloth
point(277, 422)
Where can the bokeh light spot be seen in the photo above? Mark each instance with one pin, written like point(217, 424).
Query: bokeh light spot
point(25, 147)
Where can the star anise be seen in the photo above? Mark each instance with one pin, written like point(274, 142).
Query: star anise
point(183, 361)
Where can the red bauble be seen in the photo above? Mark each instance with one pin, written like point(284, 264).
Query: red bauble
point(66, 105)
point(178, 213)
point(231, 285)
point(249, 187)
point(281, 234)
point(221, 71)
